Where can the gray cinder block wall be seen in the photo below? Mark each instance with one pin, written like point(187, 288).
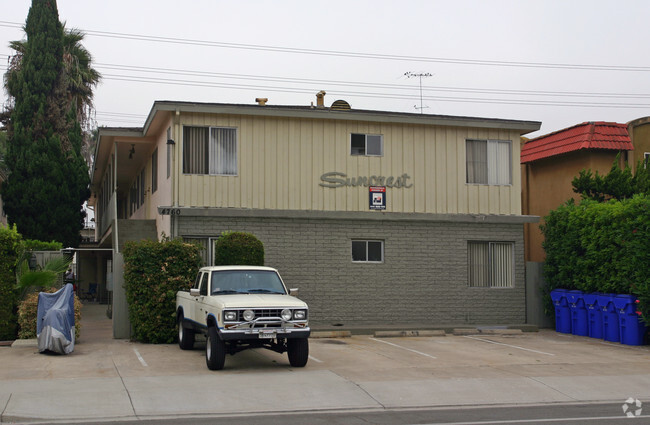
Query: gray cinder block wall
point(423, 279)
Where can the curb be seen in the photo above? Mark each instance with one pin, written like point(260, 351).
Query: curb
point(25, 343)
point(330, 334)
point(501, 331)
point(395, 334)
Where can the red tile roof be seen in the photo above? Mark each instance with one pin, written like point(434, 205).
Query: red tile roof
point(588, 135)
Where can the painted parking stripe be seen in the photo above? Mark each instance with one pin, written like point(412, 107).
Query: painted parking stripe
point(508, 345)
point(137, 353)
point(404, 348)
point(315, 359)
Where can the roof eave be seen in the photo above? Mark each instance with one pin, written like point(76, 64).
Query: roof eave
point(524, 127)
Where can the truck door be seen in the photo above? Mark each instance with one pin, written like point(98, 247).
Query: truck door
point(198, 307)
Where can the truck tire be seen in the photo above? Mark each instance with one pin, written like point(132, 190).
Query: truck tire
point(298, 351)
point(215, 350)
point(185, 335)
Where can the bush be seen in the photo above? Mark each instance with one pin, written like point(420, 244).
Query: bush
point(600, 247)
point(10, 241)
point(153, 273)
point(36, 245)
point(27, 314)
point(239, 248)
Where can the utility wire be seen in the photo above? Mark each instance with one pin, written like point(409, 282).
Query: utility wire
point(294, 80)
point(362, 55)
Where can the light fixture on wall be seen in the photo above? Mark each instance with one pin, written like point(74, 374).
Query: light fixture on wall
point(132, 151)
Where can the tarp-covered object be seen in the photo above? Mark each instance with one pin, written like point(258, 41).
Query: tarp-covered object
point(55, 321)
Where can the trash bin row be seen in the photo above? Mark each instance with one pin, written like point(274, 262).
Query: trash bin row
point(611, 317)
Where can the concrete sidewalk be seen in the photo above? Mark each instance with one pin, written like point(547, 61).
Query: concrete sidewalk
point(116, 379)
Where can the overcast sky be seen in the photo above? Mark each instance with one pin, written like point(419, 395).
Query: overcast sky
point(556, 61)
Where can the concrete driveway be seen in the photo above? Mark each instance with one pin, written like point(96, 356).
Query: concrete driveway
point(116, 379)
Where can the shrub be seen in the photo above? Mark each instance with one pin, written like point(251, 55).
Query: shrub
point(27, 314)
point(36, 245)
point(600, 247)
point(10, 241)
point(153, 273)
point(239, 248)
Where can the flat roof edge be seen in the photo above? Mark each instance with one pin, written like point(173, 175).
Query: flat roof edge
point(349, 115)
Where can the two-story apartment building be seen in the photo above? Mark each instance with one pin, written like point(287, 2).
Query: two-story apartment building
point(378, 217)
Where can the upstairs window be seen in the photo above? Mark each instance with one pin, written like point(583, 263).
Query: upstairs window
point(489, 162)
point(210, 150)
point(366, 144)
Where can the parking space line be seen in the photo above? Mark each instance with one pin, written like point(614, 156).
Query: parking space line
point(404, 348)
point(315, 359)
point(508, 345)
point(140, 357)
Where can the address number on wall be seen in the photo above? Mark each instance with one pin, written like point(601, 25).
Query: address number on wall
point(169, 211)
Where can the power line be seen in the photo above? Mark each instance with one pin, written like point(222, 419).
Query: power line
point(362, 55)
point(388, 95)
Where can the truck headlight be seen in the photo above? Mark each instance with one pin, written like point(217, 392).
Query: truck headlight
point(248, 315)
point(286, 315)
point(300, 315)
point(230, 316)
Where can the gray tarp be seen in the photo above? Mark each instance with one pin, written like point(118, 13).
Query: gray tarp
point(55, 321)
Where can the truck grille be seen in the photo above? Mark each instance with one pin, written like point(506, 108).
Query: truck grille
point(262, 313)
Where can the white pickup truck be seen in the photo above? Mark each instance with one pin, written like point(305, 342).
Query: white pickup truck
point(241, 307)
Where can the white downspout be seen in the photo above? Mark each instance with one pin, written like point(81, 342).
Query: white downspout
point(115, 229)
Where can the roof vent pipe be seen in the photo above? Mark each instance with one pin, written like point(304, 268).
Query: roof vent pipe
point(261, 101)
point(320, 99)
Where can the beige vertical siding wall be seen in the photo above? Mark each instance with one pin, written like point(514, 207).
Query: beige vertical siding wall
point(281, 160)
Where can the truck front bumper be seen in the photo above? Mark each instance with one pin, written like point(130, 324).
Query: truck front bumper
point(263, 333)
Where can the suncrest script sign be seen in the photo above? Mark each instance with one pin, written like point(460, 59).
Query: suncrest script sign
point(336, 179)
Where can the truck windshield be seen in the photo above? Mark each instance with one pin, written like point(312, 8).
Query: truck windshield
point(246, 282)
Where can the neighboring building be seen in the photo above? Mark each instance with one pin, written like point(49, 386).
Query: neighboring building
point(639, 130)
point(550, 163)
point(378, 217)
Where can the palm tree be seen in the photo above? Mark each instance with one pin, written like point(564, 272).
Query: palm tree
point(79, 76)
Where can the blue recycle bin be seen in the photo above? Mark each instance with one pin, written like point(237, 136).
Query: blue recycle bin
point(594, 315)
point(632, 330)
point(562, 311)
point(579, 321)
point(611, 331)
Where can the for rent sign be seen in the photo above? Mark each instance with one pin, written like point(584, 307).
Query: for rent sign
point(377, 197)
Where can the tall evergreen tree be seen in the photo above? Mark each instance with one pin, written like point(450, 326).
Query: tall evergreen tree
point(48, 178)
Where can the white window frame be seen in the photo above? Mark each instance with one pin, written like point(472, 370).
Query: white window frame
point(365, 147)
point(208, 243)
point(493, 165)
point(212, 154)
point(488, 275)
point(366, 241)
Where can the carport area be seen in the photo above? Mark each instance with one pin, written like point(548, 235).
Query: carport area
point(108, 378)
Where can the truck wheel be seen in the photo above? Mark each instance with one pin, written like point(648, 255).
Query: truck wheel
point(298, 351)
point(185, 335)
point(215, 350)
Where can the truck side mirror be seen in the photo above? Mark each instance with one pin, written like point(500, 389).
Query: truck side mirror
point(194, 292)
point(293, 292)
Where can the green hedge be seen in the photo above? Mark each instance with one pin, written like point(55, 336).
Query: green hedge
point(239, 248)
point(36, 245)
point(10, 241)
point(600, 247)
point(153, 273)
